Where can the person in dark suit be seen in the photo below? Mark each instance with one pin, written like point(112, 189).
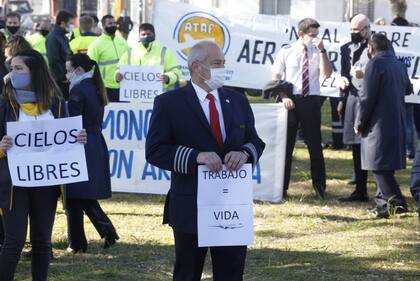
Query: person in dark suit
point(381, 123)
point(58, 49)
point(88, 98)
point(201, 124)
point(354, 58)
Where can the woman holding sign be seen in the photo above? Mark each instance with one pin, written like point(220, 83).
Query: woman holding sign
point(88, 98)
point(30, 94)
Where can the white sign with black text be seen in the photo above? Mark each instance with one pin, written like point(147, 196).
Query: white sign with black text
point(225, 207)
point(46, 152)
point(140, 83)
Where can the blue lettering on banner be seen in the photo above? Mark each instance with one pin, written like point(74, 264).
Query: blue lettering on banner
point(127, 124)
point(154, 172)
point(121, 162)
point(257, 173)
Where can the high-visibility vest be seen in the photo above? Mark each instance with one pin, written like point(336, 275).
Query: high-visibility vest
point(38, 43)
point(107, 51)
point(80, 44)
point(76, 32)
point(156, 55)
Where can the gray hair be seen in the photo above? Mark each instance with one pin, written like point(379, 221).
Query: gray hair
point(198, 52)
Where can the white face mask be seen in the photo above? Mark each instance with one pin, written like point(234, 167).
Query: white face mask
point(217, 78)
point(308, 41)
point(69, 27)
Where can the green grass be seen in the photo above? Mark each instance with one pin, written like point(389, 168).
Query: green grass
point(300, 239)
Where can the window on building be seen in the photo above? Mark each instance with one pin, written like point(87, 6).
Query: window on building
point(365, 7)
point(275, 7)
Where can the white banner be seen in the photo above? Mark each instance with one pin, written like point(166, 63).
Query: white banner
point(140, 83)
point(45, 152)
point(250, 42)
point(125, 129)
point(225, 214)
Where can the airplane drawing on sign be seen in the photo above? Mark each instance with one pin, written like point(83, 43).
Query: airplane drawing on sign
point(189, 42)
point(228, 226)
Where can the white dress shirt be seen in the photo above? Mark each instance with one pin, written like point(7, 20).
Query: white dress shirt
point(204, 102)
point(289, 62)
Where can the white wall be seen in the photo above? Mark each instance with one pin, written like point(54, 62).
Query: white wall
point(330, 10)
point(303, 9)
point(40, 6)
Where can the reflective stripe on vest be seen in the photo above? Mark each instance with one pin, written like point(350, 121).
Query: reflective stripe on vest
point(129, 56)
point(162, 56)
point(108, 62)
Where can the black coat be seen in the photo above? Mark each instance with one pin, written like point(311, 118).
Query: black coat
point(85, 101)
point(8, 113)
point(58, 50)
point(381, 114)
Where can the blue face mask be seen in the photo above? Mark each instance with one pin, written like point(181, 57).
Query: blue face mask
point(20, 80)
point(147, 40)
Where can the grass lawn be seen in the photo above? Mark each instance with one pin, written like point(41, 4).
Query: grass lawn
point(300, 239)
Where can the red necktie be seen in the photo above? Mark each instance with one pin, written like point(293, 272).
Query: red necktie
point(214, 120)
point(305, 73)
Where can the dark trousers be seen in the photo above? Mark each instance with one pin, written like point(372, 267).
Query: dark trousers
point(307, 113)
point(64, 87)
point(228, 262)
point(336, 123)
point(39, 205)
point(113, 94)
point(76, 208)
point(387, 190)
point(360, 175)
point(1, 231)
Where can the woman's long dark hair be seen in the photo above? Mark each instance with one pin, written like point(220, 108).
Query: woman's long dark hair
point(17, 44)
point(83, 61)
point(42, 82)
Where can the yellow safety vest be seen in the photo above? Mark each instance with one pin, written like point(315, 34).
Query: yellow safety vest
point(76, 32)
point(38, 43)
point(156, 55)
point(80, 44)
point(107, 51)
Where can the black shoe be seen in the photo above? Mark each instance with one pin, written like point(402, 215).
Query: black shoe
point(110, 239)
point(385, 212)
point(76, 250)
point(355, 197)
point(380, 212)
point(320, 190)
point(398, 209)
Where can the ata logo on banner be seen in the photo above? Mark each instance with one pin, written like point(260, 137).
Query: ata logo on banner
point(200, 26)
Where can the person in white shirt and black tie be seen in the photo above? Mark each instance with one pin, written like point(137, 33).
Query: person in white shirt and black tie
point(302, 63)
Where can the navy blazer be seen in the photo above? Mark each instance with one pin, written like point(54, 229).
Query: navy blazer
point(84, 100)
point(179, 131)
